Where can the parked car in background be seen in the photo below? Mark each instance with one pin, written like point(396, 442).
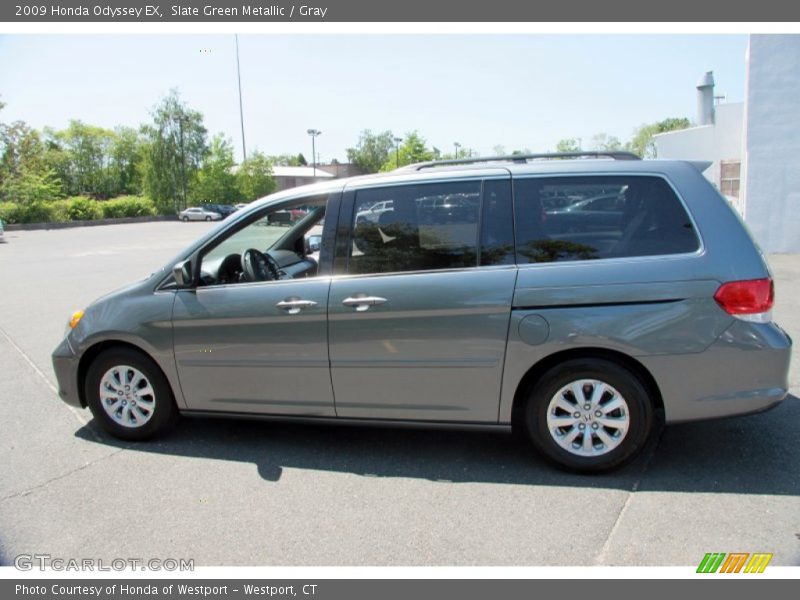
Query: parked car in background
point(222, 209)
point(463, 304)
point(2, 230)
point(198, 214)
point(588, 214)
point(240, 206)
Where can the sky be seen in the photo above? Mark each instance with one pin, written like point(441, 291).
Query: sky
point(516, 91)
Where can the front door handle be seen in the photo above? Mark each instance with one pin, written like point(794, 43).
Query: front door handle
point(362, 302)
point(295, 305)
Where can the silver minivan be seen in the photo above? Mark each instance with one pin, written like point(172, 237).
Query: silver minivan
point(489, 292)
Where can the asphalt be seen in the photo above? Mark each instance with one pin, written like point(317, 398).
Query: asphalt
point(226, 492)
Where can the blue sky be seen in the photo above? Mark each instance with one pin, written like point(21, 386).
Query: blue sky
point(479, 90)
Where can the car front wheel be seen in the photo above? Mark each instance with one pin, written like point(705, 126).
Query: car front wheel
point(129, 395)
point(589, 415)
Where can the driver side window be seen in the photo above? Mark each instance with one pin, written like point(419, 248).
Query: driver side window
point(282, 243)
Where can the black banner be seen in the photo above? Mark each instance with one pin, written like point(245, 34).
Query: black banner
point(390, 589)
point(249, 11)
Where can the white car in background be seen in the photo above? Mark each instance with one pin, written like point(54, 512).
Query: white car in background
point(198, 214)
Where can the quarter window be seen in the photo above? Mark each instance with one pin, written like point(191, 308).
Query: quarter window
point(589, 218)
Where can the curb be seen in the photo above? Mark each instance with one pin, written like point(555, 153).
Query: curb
point(93, 223)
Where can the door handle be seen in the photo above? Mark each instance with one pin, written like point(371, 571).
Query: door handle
point(362, 302)
point(295, 305)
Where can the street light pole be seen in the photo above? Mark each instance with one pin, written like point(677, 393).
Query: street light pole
point(183, 158)
point(241, 110)
point(313, 133)
point(457, 146)
point(397, 141)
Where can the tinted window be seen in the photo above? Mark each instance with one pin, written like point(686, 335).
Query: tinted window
point(587, 218)
point(415, 227)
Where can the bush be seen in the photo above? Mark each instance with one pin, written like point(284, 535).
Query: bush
point(36, 212)
point(81, 208)
point(77, 208)
point(128, 206)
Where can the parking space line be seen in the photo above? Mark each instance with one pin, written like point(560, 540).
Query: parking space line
point(601, 558)
point(78, 415)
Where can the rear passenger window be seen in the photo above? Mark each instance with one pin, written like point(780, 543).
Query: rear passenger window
point(416, 228)
point(589, 218)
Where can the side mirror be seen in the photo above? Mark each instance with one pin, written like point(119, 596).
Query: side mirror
point(182, 272)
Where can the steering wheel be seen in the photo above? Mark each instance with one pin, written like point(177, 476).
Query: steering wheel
point(258, 266)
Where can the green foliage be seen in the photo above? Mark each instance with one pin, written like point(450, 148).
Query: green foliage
point(254, 177)
point(215, 181)
point(568, 145)
point(81, 155)
point(174, 148)
point(126, 161)
point(642, 142)
point(30, 186)
point(128, 206)
point(81, 208)
point(412, 150)
point(287, 160)
point(604, 142)
point(372, 151)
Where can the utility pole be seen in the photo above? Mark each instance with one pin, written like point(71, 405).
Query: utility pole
point(241, 110)
point(313, 133)
point(183, 158)
point(456, 145)
point(397, 141)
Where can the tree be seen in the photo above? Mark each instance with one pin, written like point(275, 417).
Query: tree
point(174, 150)
point(412, 150)
point(372, 150)
point(604, 142)
point(126, 161)
point(81, 156)
point(254, 177)
point(642, 142)
point(287, 160)
point(568, 145)
point(31, 187)
point(215, 181)
point(25, 176)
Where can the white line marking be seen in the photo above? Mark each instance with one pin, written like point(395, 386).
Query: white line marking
point(78, 414)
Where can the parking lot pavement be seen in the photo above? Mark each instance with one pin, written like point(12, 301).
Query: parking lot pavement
point(253, 493)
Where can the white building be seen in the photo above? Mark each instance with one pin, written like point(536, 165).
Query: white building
point(754, 146)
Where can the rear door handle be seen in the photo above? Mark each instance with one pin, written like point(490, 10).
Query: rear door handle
point(295, 305)
point(362, 302)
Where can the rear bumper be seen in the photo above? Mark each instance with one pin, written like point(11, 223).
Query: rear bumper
point(745, 371)
point(65, 365)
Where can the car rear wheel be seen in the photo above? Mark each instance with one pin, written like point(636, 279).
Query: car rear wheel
point(185, 219)
point(129, 395)
point(208, 218)
point(589, 415)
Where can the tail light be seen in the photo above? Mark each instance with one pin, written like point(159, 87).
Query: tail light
point(749, 300)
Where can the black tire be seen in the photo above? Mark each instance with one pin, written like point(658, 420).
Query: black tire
point(185, 219)
point(164, 412)
point(627, 384)
point(208, 218)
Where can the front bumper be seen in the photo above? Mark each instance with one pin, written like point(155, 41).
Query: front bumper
point(65, 365)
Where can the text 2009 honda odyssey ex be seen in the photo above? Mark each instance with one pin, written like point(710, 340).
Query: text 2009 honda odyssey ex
point(573, 300)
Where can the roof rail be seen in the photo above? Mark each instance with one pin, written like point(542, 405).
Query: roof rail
point(521, 158)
